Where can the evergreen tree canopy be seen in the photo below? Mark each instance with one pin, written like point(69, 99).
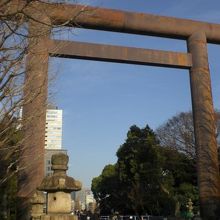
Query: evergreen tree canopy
point(146, 178)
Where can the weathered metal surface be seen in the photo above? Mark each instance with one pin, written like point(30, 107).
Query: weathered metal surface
point(204, 126)
point(118, 54)
point(119, 21)
point(135, 23)
point(31, 160)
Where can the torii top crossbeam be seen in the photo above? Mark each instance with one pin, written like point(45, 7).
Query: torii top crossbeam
point(122, 21)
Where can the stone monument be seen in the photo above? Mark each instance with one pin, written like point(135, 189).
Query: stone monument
point(59, 187)
point(37, 205)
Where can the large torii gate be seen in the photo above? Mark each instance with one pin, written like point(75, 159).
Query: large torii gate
point(196, 33)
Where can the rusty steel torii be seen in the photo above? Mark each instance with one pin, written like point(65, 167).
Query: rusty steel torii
point(195, 33)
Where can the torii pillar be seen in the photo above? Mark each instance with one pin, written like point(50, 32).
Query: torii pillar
point(204, 127)
point(31, 159)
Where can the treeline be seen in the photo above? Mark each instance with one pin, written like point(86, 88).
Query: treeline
point(10, 138)
point(155, 172)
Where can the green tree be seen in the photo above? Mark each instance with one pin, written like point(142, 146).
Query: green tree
point(150, 178)
point(11, 138)
point(106, 190)
point(139, 167)
point(182, 170)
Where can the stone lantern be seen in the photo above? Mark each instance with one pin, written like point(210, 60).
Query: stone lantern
point(59, 187)
point(37, 205)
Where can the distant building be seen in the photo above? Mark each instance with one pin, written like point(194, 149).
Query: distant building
point(53, 136)
point(53, 129)
point(89, 197)
point(85, 198)
point(80, 196)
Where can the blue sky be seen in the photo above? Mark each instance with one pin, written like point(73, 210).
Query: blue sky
point(100, 101)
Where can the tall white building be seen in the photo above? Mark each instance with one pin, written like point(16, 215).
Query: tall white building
point(53, 136)
point(53, 131)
